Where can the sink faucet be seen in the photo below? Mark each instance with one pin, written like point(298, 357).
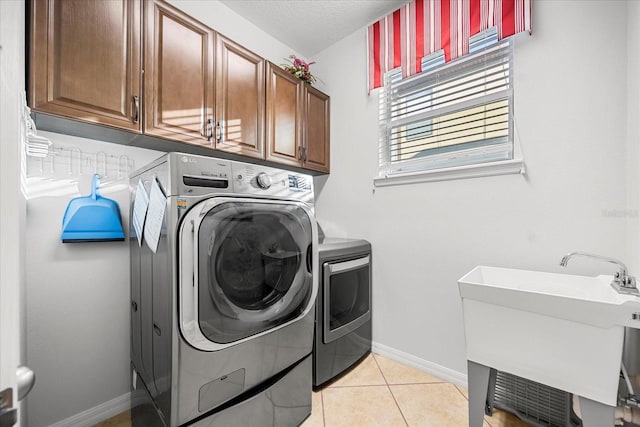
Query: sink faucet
point(622, 282)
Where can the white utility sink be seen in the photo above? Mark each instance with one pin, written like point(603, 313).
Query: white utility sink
point(562, 330)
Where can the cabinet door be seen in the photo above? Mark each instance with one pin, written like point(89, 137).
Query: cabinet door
point(284, 117)
point(316, 134)
point(178, 75)
point(239, 99)
point(85, 60)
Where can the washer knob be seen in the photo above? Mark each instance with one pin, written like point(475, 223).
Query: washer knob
point(263, 180)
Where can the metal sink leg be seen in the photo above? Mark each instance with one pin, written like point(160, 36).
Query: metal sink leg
point(479, 378)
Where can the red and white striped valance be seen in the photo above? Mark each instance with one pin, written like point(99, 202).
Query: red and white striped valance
point(423, 27)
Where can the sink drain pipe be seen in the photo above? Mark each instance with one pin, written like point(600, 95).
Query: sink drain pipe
point(628, 409)
point(629, 414)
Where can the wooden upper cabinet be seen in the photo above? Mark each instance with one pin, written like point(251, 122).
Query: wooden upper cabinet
point(179, 82)
point(297, 122)
point(239, 99)
point(316, 130)
point(284, 117)
point(85, 60)
point(200, 88)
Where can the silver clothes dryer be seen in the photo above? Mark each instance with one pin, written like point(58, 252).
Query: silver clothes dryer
point(222, 301)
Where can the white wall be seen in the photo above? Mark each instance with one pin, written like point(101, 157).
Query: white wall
point(633, 134)
point(631, 356)
point(77, 293)
point(570, 115)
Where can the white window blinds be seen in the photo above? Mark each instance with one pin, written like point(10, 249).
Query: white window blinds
point(452, 115)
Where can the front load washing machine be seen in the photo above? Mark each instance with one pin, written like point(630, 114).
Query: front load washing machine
point(222, 293)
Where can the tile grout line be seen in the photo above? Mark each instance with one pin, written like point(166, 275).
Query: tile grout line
point(396, 402)
point(460, 391)
point(324, 419)
point(376, 385)
point(484, 418)
point(390, 391)
point(353, 385)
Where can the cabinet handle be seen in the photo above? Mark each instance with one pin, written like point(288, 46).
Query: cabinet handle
point(210, 128)
point(220, 130)
point(300, 152)
point(304, 154)
point(136, 110)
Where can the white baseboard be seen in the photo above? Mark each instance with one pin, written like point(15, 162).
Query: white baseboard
point(93, 416)
point(449, 375)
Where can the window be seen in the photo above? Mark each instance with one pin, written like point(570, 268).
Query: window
point(450, 115)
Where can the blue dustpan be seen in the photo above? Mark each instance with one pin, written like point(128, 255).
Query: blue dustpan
point(92, 218)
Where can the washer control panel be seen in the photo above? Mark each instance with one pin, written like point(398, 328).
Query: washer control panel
point(199, 175)
point(263, 180)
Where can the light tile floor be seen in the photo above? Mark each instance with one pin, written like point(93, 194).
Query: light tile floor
point(382, 392)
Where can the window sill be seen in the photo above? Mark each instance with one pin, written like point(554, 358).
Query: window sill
point(460, 172)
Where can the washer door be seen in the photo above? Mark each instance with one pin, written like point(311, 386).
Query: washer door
point(251, 267)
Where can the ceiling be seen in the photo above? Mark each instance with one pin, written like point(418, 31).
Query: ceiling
point(310, 26)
